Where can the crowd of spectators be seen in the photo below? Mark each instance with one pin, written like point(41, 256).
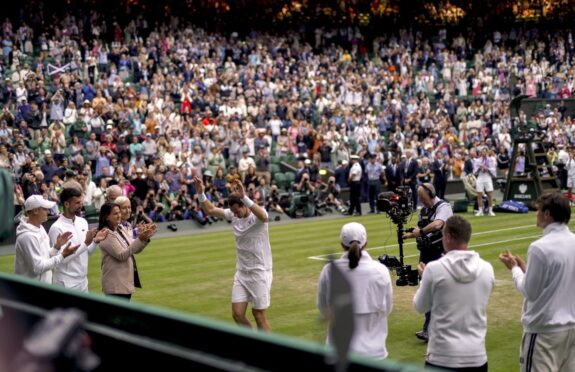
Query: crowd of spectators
point(90, 102)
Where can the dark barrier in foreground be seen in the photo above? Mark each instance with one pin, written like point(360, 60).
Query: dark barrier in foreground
point(136, 337)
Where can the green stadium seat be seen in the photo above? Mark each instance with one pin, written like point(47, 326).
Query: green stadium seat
point(290, 177)
point(274, 159)
point(275, 168)
point(280, 179)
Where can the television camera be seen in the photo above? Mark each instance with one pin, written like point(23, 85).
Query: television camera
point(397, 205)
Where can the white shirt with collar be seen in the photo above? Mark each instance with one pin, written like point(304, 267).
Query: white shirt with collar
point(72, 272)
point(355, 172)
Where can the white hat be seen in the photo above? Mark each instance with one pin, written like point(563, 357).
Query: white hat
point(354, 157)
point(139, 170)
point(307, 161)
point(37, 201)
point(47, 152)
point(353, 231)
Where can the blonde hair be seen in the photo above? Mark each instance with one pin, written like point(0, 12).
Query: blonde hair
point(121, 200)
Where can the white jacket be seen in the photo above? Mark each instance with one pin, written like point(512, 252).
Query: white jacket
point(549, 304)
point(33, 253)
point(72, 272)
point(456, 289)
point(372, 296)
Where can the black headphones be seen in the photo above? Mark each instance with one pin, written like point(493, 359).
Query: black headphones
point(429, 191)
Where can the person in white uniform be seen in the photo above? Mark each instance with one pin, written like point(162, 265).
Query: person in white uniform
point(484, 168)
point(548, 317)
point(33, 258)
point(456, 288)
point(371, 291)
point(253, 278)
point(72, 272)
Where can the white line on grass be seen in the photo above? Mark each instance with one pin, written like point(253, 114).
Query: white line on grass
point(325, 257)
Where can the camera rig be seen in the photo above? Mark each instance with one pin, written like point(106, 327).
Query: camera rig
point(397, 205)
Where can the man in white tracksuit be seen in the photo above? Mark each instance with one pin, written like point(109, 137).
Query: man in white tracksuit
point(33, 258)
point(546, 282)
point(456, 288)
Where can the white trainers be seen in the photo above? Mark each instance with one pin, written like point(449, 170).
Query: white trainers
point(491, 213)
point(479, 214)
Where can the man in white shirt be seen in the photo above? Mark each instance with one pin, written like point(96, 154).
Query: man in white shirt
point(354, 180)
point(456, 288)
point(72, 272)
point(546, 282)
point(570, 171)
point(33, 251)
point(253, 278)
point(484, 169)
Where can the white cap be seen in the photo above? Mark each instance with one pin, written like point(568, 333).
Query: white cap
point(353, 231)
point(307, 161)
point(37, 201)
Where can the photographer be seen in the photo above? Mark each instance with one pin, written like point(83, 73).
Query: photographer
point(432, 217)
point(303, 198)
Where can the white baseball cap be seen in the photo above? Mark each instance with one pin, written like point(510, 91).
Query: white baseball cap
point(353, 231)
point(37, 201)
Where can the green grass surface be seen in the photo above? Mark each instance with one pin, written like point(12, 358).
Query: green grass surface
point(194, 274)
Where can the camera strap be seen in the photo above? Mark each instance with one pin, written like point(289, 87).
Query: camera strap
point(431, 211)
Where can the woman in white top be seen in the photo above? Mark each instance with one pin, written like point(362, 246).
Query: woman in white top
point(371, 293)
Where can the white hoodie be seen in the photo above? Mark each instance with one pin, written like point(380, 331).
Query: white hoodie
point(456, 289)
point(33, 253)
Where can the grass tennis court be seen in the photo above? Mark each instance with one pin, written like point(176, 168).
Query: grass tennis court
point(194, 274)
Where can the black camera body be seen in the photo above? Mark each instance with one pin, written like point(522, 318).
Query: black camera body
point(396, 204)
point(406, 275)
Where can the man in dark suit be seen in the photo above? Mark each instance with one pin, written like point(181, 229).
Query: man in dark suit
point(410, 178)
point(440, 169)
point(392, 174)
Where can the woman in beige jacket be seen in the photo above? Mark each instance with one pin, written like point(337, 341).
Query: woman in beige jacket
point(119, 272)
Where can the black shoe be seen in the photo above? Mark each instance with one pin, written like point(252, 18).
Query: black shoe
point(422, 335)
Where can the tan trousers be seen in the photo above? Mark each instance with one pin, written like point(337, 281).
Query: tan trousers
point(548, 352)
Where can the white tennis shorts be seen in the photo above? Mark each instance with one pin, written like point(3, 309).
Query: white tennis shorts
point(253, 286)
point(484, 184)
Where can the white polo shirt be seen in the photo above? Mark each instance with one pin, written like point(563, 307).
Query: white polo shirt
point(72, 272)
point(252, 242)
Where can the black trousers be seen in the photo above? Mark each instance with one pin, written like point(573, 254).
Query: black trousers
point(118, 295)
point(373, 190)
point(482, 368)
point(354, 198)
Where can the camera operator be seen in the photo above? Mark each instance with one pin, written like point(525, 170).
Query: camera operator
point(331, 191)
point(432, 217)
point(303, 197)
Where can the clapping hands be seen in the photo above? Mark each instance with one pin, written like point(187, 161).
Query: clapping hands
point(510, 260)
point(147, 230)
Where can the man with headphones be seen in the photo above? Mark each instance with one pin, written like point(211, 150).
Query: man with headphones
point(431, 219)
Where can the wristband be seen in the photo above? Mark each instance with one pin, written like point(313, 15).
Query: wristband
point(202, 198)
point(247, 201)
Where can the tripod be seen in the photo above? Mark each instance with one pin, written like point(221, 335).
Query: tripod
point(400, 232)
